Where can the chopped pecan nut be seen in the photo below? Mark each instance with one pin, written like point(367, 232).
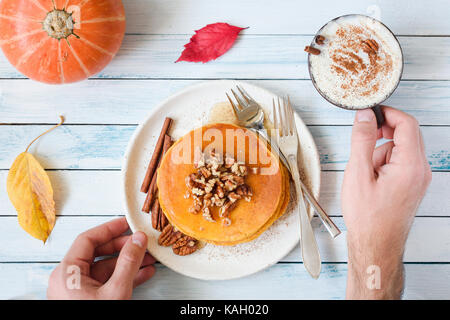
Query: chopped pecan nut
point(230, 186)
point(234, 196)
point(207, 215)
point(220, 192)
point(225, 210)
point(226, 222)
point(195, 209)
point(219, 181)
point(205, 172)
point(229, 161)
point(243, 170)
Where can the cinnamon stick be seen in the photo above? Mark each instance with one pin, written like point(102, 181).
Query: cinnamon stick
point(151, 194)
point(312, 50)
point(150, 197)
point(155, 214)
point(156, 155)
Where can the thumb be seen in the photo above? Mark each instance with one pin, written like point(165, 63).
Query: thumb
point(128, 264)
point(364, 139)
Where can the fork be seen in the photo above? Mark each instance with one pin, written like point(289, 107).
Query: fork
point(284, 123)
point(251, 115)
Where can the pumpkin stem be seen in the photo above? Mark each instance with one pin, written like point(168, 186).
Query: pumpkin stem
point(52, 128)
point(58, 24)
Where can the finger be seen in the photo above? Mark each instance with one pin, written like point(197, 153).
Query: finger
point(103, 269)
point(382, 154)
point(113, 246)
point(379, 133)
point(128, 263)
point(364, 138)
point(404, 130)
point(84, 245)
point(143, 275)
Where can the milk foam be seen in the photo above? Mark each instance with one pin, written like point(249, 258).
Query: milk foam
point(376, 76)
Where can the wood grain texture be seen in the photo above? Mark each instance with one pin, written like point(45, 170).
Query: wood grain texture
point(287, 16)
point(428, 240)
point(102, 147)
point(79, 193)
point(129, 101)
point(270, 54)
point(281, 281)
point(153, 56)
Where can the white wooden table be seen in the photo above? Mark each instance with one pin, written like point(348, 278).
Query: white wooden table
point(84, 156)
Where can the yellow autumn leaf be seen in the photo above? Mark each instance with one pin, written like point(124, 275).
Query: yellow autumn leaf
point(31, 193)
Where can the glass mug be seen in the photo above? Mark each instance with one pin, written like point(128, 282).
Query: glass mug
point(376, 105)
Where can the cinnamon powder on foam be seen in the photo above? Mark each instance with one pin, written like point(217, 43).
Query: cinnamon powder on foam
point(351, 67)
point(359, 73)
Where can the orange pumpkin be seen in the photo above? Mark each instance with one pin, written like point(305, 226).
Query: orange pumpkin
point(61, 41)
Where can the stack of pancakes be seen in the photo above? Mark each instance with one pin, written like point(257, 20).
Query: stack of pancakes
point(269, 184)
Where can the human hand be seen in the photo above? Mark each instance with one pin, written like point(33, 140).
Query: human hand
point(381, 192)
point(113, 278)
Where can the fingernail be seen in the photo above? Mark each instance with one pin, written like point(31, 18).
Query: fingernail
point(139, 239)
point(365, 115)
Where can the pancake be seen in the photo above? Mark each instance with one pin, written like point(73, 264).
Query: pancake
point(275, 217)
point(249, 219)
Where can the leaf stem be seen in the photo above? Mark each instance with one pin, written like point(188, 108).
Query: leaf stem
point(56, 126)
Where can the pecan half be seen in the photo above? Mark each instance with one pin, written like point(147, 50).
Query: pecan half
point(370, 46)
point(169, 236)
point(185, 246)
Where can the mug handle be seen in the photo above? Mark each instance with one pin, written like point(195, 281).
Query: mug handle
point(379, 115)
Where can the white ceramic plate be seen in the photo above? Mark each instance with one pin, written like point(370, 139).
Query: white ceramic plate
point(190, 109)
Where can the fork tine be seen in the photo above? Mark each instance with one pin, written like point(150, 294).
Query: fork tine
point(282, 116)
point(235, 108)
point(246, 96)
point(287, 120)
point(241, 103)
point(274, 113)
point(275, 134)
point(291, 116)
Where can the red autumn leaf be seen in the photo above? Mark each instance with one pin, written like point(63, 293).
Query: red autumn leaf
point(210, 42)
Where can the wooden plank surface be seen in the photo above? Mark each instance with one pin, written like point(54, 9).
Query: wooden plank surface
point(428, 240)
point(102, 147)
point(100, 193)
point(130, 101)
point(281, 281)
point(282, 17)
point(153, 56)
point(102, 114)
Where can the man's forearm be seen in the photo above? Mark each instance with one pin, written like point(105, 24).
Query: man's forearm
point(374, 278)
